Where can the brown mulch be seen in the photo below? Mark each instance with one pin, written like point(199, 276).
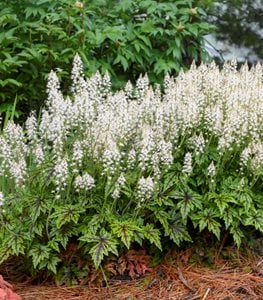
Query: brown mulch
point(166, 281)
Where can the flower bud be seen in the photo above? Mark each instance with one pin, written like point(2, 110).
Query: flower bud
point(193, 11)
point(180, 28)
point(79, 4)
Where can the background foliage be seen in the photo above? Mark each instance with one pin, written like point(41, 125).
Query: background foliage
point(126, 38)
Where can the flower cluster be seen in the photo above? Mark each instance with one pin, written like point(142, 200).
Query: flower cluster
point(60, 175)
point(145, 188)
point(84, 182)
point(211, 170)
point(140, 127)
point(1, 199)
point(187, 166)
point(13, 153)
point(119, 184)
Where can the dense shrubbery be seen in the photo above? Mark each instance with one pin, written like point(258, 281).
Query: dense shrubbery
point(108, 171)
point(125, 37)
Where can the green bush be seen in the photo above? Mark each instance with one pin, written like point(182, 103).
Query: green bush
point(127, 38)
point(108, 171)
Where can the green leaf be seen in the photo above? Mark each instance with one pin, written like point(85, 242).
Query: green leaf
point(246, 201)
point(214, 226)
point(193, 29)
point(255, 219)
point(122, 60)
point(176, 230)
point(161, 66)
point(94, 223)
point(99, 37)
point(52, 263)
point(153, 235)
point(138, 45)
point(38, 228)
point(114, 33)
point(104, 243)
point(125, 231)
point(147, 26)
point(237, 235)
point(66, 214)
point(162, 217)
point(138, 237)
point(124, 5)
point(17, 243)
point(230, 216)
point(39, 253)
point(53, 245)
point(177, 53)
point(207, 219)
point(10, 81)
point(221, 200)
point(188, 203)
point(5, 253)
point(146, 40)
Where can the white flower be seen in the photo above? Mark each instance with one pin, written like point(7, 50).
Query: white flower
point(121, 180)
point(119, 184)
point(187, 167)
point(1, 199)
point(128, 90)
point(84, 182)
point(165, 152)
point(78, 83)
point(211, 170)
point(77, 155)
point(31, 128)
point(145, 188)
point(111, 159)
point(13, 151)
point(61, 173)
point(245, 156)
point(18, 171)
point(38, 154)
point(131, 159)
point(198, 143)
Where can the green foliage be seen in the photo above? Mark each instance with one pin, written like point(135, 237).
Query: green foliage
point(103, 245)
point(127, 38)
point(126, 200)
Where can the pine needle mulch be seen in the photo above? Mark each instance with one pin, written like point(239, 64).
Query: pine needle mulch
point(166, 281)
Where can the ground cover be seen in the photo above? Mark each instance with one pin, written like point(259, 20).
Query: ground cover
point(176, 278)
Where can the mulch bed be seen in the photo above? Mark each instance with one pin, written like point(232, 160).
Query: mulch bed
point(167, 281)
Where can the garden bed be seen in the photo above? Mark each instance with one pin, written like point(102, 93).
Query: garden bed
point(241, 278)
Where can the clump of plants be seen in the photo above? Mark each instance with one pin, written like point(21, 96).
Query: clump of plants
point(126, 38)
point(103, 172)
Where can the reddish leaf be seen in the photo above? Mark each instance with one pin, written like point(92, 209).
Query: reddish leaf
point(111, 267)
point(122, 265)
point(130, 268)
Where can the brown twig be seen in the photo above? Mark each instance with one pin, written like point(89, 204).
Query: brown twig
point(184, 281)
point(222, 245)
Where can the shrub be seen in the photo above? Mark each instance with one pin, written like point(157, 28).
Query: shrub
point(111, 170)
point(126, 38)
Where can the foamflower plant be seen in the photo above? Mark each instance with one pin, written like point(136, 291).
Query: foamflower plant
point(143, 165)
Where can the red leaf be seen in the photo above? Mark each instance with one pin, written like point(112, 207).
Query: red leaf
point(131, 271)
